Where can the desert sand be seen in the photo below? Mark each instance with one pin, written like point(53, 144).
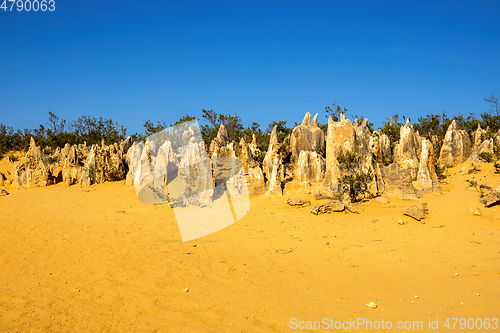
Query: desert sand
point(95, 259)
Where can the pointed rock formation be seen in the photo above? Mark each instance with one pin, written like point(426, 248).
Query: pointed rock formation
point(413, 173)
point(477, 136)
point(485, 147)
point(220, 141)
point(307, 137)
point(426, 175)
point(456, 146)
point(310, 167)
point(253, 173)
point(341, 138)
point(272, 166)
point(407, 151)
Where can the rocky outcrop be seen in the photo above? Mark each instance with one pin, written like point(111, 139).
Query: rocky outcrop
point(456, 146)
point(310, 167)
point(426, 175)
point(272, 165)
point(329, 207)
point(414, 212)
point(380, 147)
point(252, 170)
point(195, 182)
point(298, 202)
point(307, 137)
point(485, 147)
point(341, 138)
point(218, 146)
point(344, 137)
point(34, 171)
point(412, 174)
point(478, 134)
point(71, 165)
point(407, 151)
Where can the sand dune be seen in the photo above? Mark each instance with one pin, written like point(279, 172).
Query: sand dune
point(96, 259)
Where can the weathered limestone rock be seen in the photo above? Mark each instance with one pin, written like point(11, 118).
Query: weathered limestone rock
point(382, 200)
point(413, 172)
point(407, 151)
point(252, 170)
point(272, 166)
point(456, 146)
point(485, 147)
point(88, 172)
point(310, 167)
point(100, 163)
point(415, 212)
point(341, 138)
point(165, 167)
point(344, 137)
point(398, 182)
point(16, 181)
point(195, 176)
point(3, 192)
point(132, 159)
point(375, 147)
point(477, 137)
point(306, 137)
point(298, 202)
point(34, 171)
point(69, 172)
point(2, 179)
point(490, 199)
point(426, 176)
point(219, 142)
point(331, 206)
point(385, 146)
point(362, 132)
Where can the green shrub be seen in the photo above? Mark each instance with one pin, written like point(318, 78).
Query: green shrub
point(13, 158)
point(473, 168)
point(53, 159)
point(496, 165)
point(353, 180)
point(485, 156)
point(440, 170)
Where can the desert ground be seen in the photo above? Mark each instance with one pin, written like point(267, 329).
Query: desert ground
point(96, 259)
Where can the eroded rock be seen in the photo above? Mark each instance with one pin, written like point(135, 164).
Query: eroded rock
point(307, 137)
point(332, 206)
point(456, 146)
point(415, 212)
point(298, 202)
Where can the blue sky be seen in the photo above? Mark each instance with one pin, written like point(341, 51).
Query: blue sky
point(262, 60)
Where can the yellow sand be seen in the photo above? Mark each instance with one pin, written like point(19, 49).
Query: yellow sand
point(96, 259)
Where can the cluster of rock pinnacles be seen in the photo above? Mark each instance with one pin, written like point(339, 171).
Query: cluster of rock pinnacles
point(313, 164)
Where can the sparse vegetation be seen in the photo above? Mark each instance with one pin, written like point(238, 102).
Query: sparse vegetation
point(472, 183)
point(425, 210)
point(496, 167)
point(353, 180)
point(485, 156)
point(391, 128)
point(57, 132)
point(13, 158)
point(440, 170)
point(473, 168)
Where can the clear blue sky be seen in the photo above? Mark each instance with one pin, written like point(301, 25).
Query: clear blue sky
point(262, 60)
